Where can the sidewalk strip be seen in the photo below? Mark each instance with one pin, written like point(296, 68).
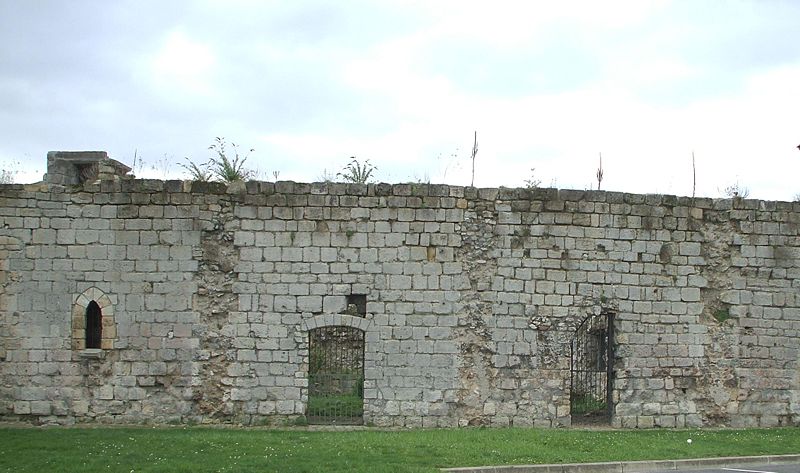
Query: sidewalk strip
point(640, 466)
point(747, 471)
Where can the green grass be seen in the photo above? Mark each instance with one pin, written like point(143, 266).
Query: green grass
point(44, 450)
point(587, 404)
point(336, 405)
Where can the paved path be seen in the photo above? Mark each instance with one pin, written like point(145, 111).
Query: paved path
point(788, 468)
point(759, 464)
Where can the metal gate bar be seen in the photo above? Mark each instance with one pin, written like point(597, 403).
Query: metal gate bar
point(592, 372)
point(336, 376)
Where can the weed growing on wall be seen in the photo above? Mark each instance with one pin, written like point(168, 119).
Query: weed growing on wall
point(736, 190)
point(357, 172)
point(8, 172)
point(721, 315)
point(225, 165)
point(196, 172)
point(228, 165)
point(532, 182)
point(599, 173)
point(326, 176)
point(163, 166)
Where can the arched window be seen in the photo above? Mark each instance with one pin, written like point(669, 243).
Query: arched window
point(94, 325)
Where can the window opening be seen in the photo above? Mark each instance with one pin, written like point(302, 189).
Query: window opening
point(94, 325)
point(357, 305)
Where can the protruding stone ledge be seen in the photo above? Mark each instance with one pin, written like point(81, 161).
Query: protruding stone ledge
point(92, 354)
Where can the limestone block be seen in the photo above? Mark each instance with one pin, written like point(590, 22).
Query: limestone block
point(690, 294)
point(105, 392)
point(285, 407)
point(44, 236)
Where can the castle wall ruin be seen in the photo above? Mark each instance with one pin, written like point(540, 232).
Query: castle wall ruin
point(208, 293)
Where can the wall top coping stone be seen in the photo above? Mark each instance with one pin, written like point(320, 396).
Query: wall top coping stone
point(423, 191)
point(78, 157)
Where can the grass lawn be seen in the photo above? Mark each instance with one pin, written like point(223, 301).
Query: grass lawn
point(343, 405)
point(196, 449)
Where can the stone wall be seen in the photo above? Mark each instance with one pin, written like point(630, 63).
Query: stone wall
point(473, 297)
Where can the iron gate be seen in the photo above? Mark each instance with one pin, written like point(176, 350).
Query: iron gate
point(335, 375)
point(592, 371)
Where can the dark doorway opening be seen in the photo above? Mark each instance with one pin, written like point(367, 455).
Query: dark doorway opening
point(592, 370)
point(335, 376)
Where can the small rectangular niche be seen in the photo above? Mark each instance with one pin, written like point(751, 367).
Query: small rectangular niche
point(356, 305)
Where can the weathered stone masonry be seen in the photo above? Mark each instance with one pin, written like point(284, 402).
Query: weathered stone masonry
point(473, 296)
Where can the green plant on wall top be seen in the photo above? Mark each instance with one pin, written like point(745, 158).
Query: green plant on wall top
point(532, 182)
point(226, 165)
point(736, 190)
point(196, 172)
point(229, 168)
point(357, 172)
point(8, 172)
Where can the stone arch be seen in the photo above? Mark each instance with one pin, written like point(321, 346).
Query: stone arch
point(341, 320)
point(93, 302)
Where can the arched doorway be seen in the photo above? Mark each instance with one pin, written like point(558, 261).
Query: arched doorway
point(335, 375)
point(592, 370)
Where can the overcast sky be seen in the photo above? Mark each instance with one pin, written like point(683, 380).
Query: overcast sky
point(546, 84)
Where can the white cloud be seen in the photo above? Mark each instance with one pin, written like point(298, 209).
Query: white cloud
point(183, 65)
point(509, 23)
